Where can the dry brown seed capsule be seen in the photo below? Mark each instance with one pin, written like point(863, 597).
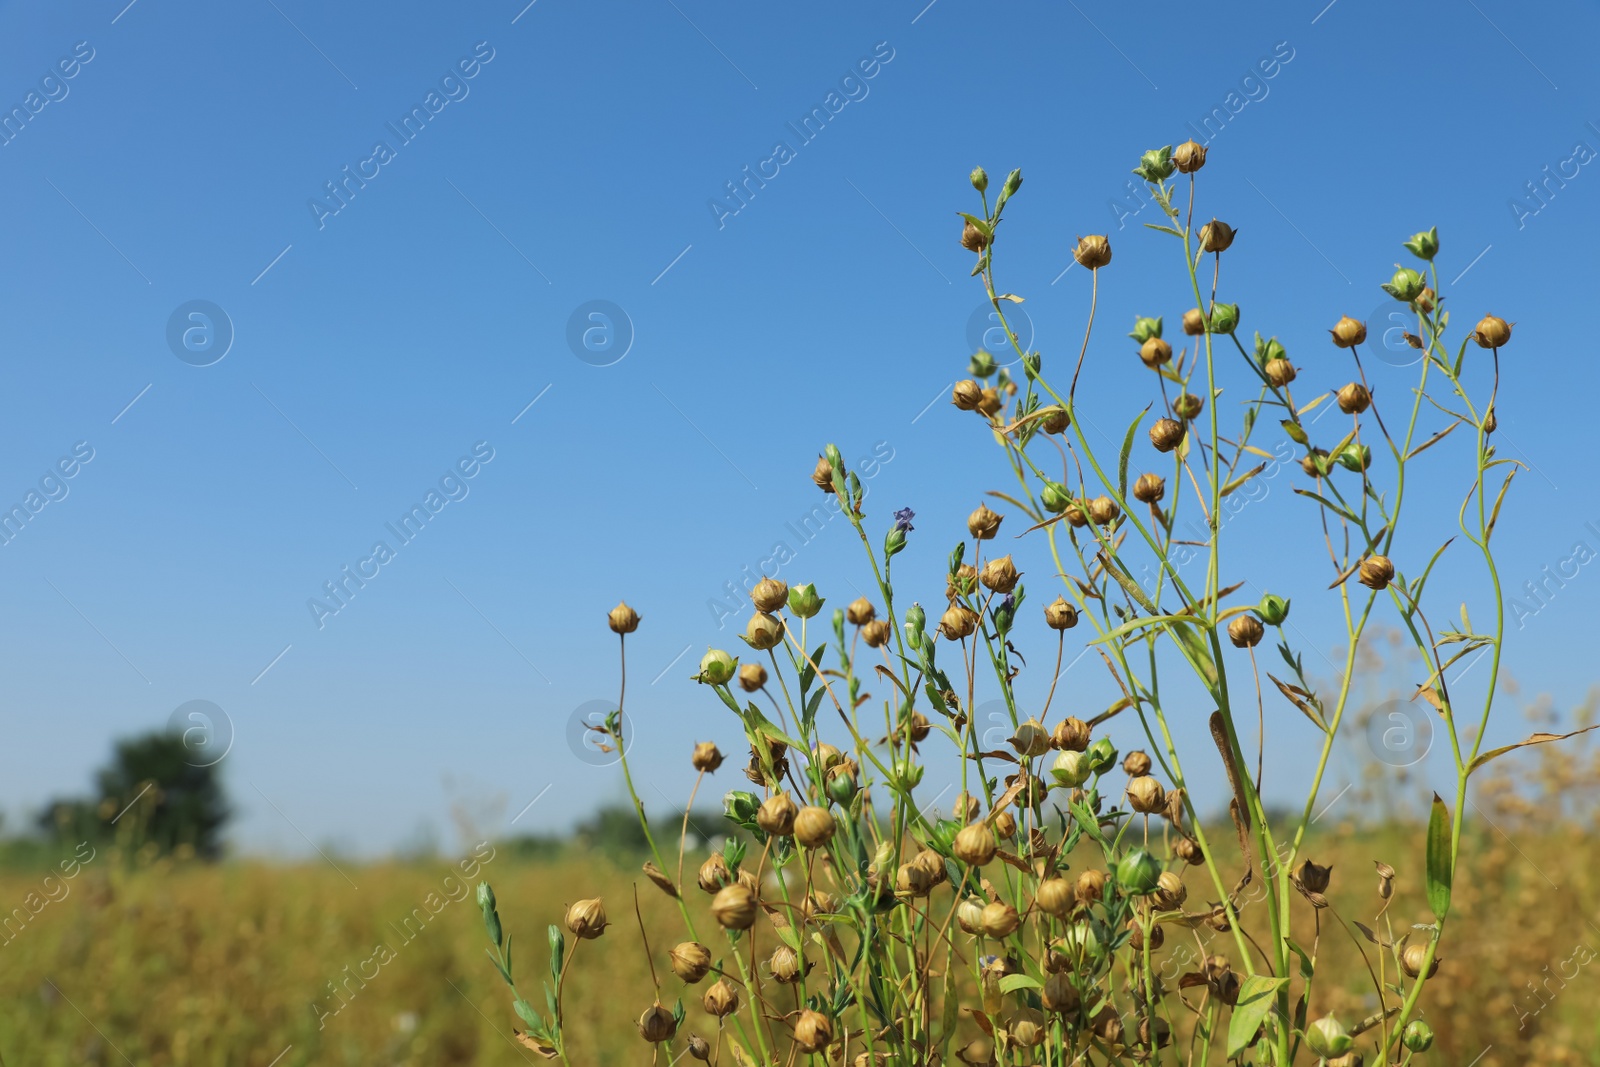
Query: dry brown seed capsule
point(1055, 419)
point(721, 999)
point(1031, 739)
point(1492, 332)
point(1412, 958)
point(1170, 892)
point(813, 827)
point(691, 961)
point(1154, 352)
point(1136, 941)
point(964, 582)
point(1055, 896)
point(1353, 398)
point(1490, 423)
point(1216, 236)
point(1146, 795)
point(972, 238)
point(1189, 157)
point(1308, 463)
point(657, 1024)
point(957, 622)
point(1246, 631)
point(965, 808)
point(1166, 434)
point(913, 881)
point(1000, 575)
point(983, 524)
point(1103, 510)
point(1077, 514)
point(1348, 332)
point(822, 477)
point(1060, 615)
point(1090, 886)
point(1314, 878)
point(1107, 1025)
point(933, 863)
point(1175, 809)
point(1280, 372)
point(1377, 572)
point(1027, 1028)
point(969, 915)
point(966, 395)
point(876, 633)
point(735, 907)
point(752, 676)
point(820, 902)
point(812, 1031)
point(974, 845)
point(1188, 406)
point(714, 873)
point(999, 919)
point(1093, 251)
point(776, 815)
point(1149, 488)
point(699, 1048)
point(706, 757)
point(1385, 879)
point(1162, 1029)
point(786, 964)
point(587, 919)
point(1426, 299)
point(1188, 850)
point(1194, 322)
point(623, 619)
point(860, 611)
point(1071, 735)
point(989, 401)
point(1136, 763)
point(764, 631)
point(1059, 995)
point(1005, 825)
point(769, 595)
point(1349, 1059)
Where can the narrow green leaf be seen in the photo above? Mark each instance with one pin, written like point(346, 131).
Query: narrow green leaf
point(1245, 477)
point(503, 972)
point(981, 225)
point(1164, 229)
point(812, 705)
point(1013, 982)
point(1440, 862)
point(1257, 997)
point(1330, 505)
point(1494, 516)
point(1533, 739)
point(1127, 450)
point(1307, 967)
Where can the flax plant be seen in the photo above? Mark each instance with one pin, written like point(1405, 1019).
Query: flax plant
point(854, 925)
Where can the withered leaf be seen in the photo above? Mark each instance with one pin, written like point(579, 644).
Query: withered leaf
point(665, 884)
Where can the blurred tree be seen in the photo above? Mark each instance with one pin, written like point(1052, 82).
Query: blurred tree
point(149, 794)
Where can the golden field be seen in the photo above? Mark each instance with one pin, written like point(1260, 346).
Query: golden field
point(191, 965)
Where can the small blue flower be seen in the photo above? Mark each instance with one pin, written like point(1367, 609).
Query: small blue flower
point(902, 520)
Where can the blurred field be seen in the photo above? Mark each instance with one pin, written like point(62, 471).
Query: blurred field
point(203, 966)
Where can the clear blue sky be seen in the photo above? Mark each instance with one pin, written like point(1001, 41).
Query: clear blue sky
point(375, 346)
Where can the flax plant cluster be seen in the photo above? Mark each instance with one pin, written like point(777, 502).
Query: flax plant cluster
point(847, 924)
